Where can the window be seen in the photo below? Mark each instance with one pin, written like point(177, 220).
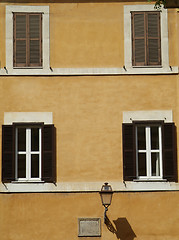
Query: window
point(28, 152)
point(146, 49)
point(27, 39)
point(146, 40)
point(149, 151)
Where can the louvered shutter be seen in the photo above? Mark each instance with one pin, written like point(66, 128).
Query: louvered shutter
point(35, 40)
point(138, 39)
point(8, 155)
point(48, 154)
point(153, 38)
point(27, 40)
point(146, 42)
point(20, 40)
point(169, 152)
point(129, 152)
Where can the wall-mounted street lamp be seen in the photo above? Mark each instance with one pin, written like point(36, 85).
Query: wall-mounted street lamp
point(106, 197)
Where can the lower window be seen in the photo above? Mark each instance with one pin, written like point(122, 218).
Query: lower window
point(28, 152)
point(149, 151)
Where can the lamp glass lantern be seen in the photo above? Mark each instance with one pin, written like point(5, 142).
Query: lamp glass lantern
point(106, 197)
point(106, 194)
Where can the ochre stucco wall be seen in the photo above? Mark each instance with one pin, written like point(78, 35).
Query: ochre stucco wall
point(87, 113)
point(145, 216)
point(88, 34)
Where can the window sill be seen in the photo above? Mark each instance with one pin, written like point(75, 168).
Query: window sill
point(126, 70)
point(128, 186)
point(149, 180)
point(37, 67)
point(27, 181)
point(147, 66)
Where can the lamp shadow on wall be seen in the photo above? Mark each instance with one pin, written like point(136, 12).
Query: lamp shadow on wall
point(122, 229)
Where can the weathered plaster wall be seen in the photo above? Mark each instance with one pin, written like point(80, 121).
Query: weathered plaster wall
point(87, 34)
point(87, 113)
point(141, 216)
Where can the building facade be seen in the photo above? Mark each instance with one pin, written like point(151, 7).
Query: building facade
point(89, 94)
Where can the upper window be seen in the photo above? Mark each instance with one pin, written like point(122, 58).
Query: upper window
point(27, 40)
point(146, 39)
point(146, 47)
point(149, 151)
point(28, 152)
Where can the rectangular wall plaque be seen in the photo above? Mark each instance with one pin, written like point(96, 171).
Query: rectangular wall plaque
point(89, 227)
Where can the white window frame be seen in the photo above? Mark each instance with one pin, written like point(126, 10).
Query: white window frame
point(148, 151)
point(128, 40)
point(28, 154)
point(45, 39)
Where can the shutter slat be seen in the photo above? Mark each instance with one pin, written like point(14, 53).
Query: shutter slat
point(129, 158)
point(8, 156)
point(48, 159)
point(169, 152)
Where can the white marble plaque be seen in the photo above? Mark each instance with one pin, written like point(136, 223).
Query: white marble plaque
point(89, 227)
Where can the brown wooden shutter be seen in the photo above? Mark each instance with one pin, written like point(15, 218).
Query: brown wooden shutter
point(35, 39)
point(48, 154)
point(169, 152)
point(138, 39)
point(27, 39)
point(20, 40)
point(8, 154)
point(129, 152)
point(146, 42)
point(153, 38)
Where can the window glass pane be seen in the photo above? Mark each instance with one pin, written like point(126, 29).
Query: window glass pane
point(21, 166)
point(155, 164)
point(21, 139)
point(154, 137)
point(141, 138)
point(35, 139)
point(34, 165)
point(142, 164)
